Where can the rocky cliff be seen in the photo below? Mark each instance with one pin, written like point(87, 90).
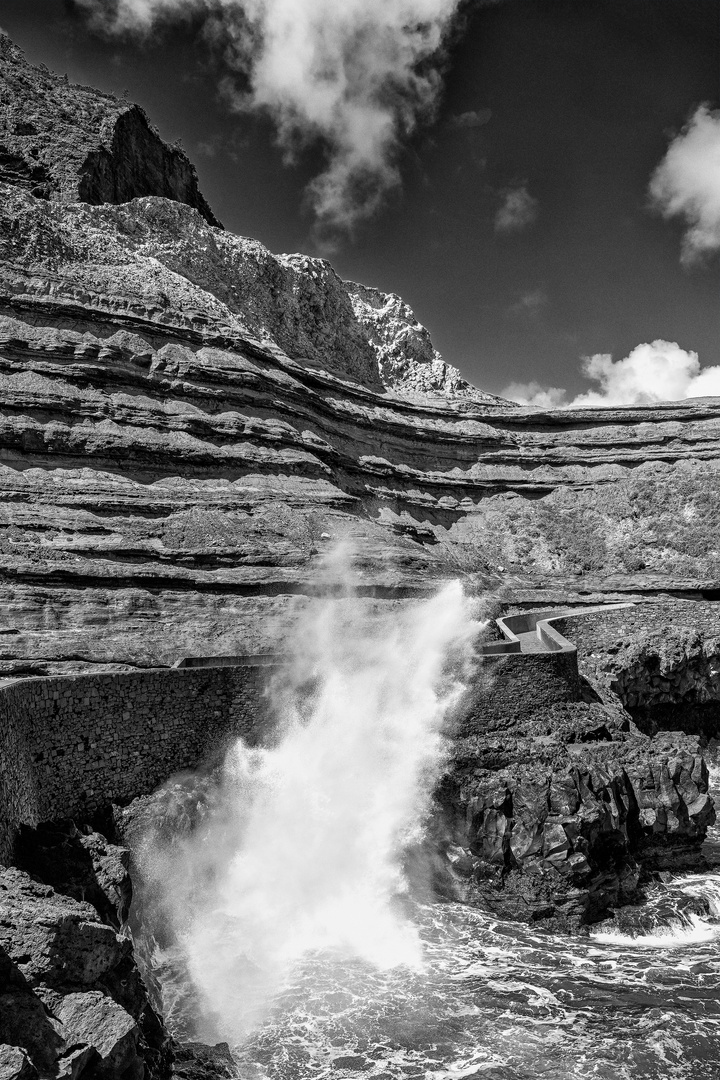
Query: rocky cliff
point(188, 420)
point(71, 143)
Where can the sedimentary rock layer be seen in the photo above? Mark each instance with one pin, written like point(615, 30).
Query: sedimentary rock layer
point(188, 421)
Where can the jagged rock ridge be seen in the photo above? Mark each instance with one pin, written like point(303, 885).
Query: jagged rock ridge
point(72, 143)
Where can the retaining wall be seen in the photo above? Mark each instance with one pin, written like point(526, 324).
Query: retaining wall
point(71, 744)
point(511, 687)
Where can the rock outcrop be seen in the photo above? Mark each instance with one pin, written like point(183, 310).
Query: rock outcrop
point(72, 143)
point(189, 420)
point(560, 819)
point(72, 997)
point(661, 660)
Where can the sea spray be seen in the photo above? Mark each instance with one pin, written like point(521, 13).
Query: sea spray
point(299, 847)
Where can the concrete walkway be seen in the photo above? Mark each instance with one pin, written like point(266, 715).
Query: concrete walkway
point(531, 643)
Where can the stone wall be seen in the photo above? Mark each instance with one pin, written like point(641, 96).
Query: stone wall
point(511, 687)
point(71, 744)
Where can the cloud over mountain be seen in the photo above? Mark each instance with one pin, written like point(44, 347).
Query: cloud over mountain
point(355, 76)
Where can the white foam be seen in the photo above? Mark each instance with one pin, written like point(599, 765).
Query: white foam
point(692, 930)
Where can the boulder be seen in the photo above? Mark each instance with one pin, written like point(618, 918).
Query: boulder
point(80, 863)
point(74, 1000)
point(95, 1021)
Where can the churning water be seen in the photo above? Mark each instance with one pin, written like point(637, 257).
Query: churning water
point(276, 917)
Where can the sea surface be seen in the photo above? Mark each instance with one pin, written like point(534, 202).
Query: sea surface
point(499, 1001)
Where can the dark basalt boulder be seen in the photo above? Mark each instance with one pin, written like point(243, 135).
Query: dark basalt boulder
point(560, 819)
point(198, 1061)
point(80, 863)
point(15, 1064)
point(70, 994)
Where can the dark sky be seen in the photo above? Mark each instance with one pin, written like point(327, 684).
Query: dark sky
point(583, 98)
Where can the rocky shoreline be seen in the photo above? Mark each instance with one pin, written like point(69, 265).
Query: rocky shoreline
point(188, 423)
point(559, 819)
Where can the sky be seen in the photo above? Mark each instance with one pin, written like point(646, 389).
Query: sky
point(538, 179)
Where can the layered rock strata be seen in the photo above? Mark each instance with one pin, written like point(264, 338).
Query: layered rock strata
point(189, 421)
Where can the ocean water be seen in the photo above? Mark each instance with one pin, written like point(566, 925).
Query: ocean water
point(497, 1000)
point(491, 999)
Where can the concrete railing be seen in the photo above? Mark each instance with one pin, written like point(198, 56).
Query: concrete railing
point(540, 622)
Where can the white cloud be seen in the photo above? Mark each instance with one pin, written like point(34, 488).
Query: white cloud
point(534, 393)
point(660, 371)
point(686, 184)
point(357, 75)
point(473, 119)
point(517, 211)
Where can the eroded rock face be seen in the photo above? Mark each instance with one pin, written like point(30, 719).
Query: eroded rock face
point(15, 1064)
point(661, 660)
point(72, 143)
point(80, 863)
point(558, 819)
point(189, 421)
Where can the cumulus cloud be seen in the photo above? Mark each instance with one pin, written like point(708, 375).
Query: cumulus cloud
point(660, 371)
point(517, 210)
point(686, 184)
point(534, 393)
point(355, 76)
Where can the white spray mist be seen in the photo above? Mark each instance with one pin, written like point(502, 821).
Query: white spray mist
point(303, 849)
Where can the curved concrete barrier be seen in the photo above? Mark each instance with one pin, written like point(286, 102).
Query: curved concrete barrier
point(532, 631)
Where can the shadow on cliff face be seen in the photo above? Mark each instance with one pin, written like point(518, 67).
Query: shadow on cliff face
point(669, 680)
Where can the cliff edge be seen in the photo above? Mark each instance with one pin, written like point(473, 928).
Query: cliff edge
point(72, 143)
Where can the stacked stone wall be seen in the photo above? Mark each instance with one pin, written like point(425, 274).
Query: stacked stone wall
point(71, 744)
point(513, 686)
point(18, 782)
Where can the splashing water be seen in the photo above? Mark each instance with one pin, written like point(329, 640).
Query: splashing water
point(300, 846)
point(261, 865)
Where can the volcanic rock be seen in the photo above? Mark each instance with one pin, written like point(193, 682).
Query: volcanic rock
point(78, 863)
point(73, 998)
point(560, 819)
point(15, 1064)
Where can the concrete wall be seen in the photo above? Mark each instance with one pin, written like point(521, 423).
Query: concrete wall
point(71, 744)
